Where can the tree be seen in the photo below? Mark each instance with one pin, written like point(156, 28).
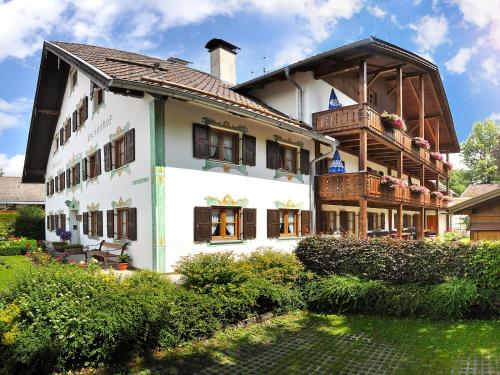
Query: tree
point(459, 180)
point(479, 152)
point(30, 222)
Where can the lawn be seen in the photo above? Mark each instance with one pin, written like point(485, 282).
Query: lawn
point(304, 343)
point(11, 267)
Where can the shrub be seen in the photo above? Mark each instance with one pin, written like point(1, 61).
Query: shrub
point(16, 247)
point(7, 224)
point(486, 264)
point(277, 266)
point(343, 294)
point(30, 222)
point(451, 299)
point(395, 261)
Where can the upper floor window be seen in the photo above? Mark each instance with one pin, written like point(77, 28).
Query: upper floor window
point(75, 174)
point(221, 145)
point(372, 97)
point(287, 157)
point(289, 222)
point(120, 151)
point(74, 78)
point(126, 223)
point(91, 165)
point(98, 98)
point(62, 179)
point(225, 223)
point(83, 111)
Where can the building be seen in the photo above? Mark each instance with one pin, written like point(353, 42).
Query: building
point(14, 194)
point(483, 211)
point(176, 161)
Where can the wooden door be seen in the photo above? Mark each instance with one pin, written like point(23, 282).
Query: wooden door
point(432, 223)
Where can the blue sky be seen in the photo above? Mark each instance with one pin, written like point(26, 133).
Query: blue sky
point(461, 36)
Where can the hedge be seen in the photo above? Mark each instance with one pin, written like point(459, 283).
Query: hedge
point(402, 262)
point(16, 247)
point(7, 224)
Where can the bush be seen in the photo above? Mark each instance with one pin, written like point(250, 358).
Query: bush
point(16, 247)
point(486, 264)
point(7, 224)
point(449, 300)
point(30, 222)
point(397, 261)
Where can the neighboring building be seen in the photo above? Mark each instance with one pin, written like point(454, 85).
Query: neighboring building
point(176, 161)
point(483, 211)
point(15, 194)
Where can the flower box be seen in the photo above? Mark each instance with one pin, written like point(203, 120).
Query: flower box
point(448, 165)
point(421, 143)
point(437, 156)
point(437, 194)
point(418, 189)
point(393, 120)
point(392, 182)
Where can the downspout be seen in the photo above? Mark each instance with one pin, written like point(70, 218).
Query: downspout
point(333, 143)
point(299, 90)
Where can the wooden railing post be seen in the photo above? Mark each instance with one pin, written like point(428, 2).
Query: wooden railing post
point(421, 117)
point(363, 151)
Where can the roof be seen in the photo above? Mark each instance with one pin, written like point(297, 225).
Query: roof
point(485, 226)
point(13, 191)
point(478, 189)
point(133, 74)
point(475, 201)
point(373, 49)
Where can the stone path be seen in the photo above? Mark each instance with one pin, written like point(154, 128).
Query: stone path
point(477, 365)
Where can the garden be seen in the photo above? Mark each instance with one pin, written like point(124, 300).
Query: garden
point(334, 305)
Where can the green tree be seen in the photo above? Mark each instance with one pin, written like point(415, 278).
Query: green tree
point(31, 222)
point(1, 172)
point(459, 180)
point(479, 152)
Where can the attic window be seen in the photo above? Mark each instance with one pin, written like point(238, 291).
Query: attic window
point(74, 78)
point(98, 98)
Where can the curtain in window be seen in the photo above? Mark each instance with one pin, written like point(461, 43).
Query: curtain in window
point(282, 222)
point(214, 145)
point(291, 222)
point(228, 148)
point(230, 223)
point(215, 223)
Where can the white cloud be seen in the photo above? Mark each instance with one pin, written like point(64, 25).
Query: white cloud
point(377, 11)
point(431, 32)
point(12, 166)
point(13, 113)
point(457, 160)
point(495, 116)
point(458, 63)
point(490, 68)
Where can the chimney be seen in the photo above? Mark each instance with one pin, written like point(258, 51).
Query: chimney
point(222, 60)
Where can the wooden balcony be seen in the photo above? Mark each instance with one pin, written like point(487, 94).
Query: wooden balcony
point(350, 187)
point(344, 122)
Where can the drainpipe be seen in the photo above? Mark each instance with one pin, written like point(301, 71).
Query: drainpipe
point(299, 90)
point(333, 143)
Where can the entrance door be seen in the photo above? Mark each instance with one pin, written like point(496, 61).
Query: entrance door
point(73, 227)
point(432, 223)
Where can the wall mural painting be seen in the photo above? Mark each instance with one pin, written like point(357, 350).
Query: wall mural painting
point(227, 200)
point(99, 128)
point(74, 204)
point(93, 207)
point(290, 141)
point(224, 125)
point(120, 203)
point(288, 204)
point(226, 167)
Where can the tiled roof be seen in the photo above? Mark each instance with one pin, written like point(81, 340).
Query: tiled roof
point(478, 189)
point(12, 190)
point(133, 67)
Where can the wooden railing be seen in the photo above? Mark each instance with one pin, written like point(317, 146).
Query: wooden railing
point(352, 117)
point(352, 186)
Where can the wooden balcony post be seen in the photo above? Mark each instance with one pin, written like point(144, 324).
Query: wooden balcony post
point(421, 229)
point(400, 164)
point(363, 83)
point(362, 218)
point(399, 223)
point(390, 219)
point(399, 93)
point(421, 122)
point(363, 151)
point(436, 148)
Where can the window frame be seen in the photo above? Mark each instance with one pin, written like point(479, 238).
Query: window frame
point(62, 182)
point(285, 222)
point(282, 159)
point(120, 223)
point(91, 167)
point(73, 175)
point(223, 222)
point(115, 161)
point(93, 223)
point(98, 98)
point(74, 78)
point(235, 146)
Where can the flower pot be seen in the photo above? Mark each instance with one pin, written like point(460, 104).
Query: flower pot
point(122, 266)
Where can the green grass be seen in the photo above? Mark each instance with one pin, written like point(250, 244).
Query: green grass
point(12, 267)
point(297, 343)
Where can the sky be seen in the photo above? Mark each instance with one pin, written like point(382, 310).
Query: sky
point(461, 36)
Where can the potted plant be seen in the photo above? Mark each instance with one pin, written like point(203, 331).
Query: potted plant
point(392, 182)
point(418, 189)
point(122, 262)
point(421, 143)
point(446, 198)
point(448, 165)
point(64, 236)
point(393, 120)
point(437, 156)
point(437, 194)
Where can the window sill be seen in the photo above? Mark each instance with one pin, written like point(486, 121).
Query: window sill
point(291, 238)
point(92, 237)
point(225, 242)
point(120, 168)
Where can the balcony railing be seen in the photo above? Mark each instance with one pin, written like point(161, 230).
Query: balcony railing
point(351, 117)
point(352, 186)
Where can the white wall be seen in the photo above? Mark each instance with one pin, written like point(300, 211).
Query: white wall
point(187, 184)
point(117, 111)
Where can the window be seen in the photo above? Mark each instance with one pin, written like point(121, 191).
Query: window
point(223, 146)
point(119, 146)
point(225, 223)
point(98, 98)
point(289, 223)
point(67, 130)
point(346, 221)
point(288, 158)
point(83, 111)
point(122, 222)
point(331, 221)
point(74, 78)
point(75, 175)
point(57, 143)
point(92, 166)
point(62, 181)
point(93, 223)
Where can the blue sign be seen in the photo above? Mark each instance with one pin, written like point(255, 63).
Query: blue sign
point(334, 101)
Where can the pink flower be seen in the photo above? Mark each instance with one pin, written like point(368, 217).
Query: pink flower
point(436, 155)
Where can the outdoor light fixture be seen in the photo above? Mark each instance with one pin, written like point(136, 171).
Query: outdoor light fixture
point(67, 203)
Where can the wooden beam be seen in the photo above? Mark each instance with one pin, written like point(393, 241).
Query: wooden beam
point(437, 136)
point(421, 123)
point(341, 67)
point(50, 112)
point(399, 93)
point(392, 89)
point(363, 89)
point(381, 71)
point(362, 222)
point(399, 162)
point(363, 152)
point(399, 223)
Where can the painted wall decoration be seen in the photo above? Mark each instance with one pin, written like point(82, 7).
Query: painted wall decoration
point(93, 207)
point(227, 200)
point(121, 203)
point(289, 140)
point(289, 204)
point(224, 124)
point(226, 167)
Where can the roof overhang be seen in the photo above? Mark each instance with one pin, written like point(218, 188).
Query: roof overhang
point(473, 202)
